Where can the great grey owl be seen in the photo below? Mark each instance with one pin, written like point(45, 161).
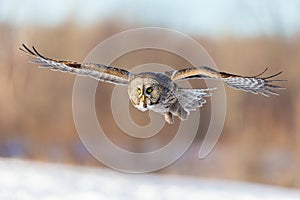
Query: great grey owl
point(159, 91)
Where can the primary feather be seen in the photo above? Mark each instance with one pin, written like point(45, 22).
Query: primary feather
point(97, 71)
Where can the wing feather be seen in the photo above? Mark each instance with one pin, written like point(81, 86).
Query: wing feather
point(98, 71)
point(255, 84)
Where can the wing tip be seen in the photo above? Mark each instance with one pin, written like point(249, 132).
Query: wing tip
point(30, 52)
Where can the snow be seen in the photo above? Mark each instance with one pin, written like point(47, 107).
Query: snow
point(26, 180)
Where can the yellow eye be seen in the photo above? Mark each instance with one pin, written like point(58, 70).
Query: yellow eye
point(149, 90)
point(139, 91)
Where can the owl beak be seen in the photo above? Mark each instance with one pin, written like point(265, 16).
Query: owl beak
point(143, 98)
point(143, 101)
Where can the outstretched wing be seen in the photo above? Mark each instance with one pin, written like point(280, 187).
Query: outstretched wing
point(97, 71)
point(255, 84)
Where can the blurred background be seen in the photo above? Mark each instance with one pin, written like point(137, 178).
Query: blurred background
point(260, 141)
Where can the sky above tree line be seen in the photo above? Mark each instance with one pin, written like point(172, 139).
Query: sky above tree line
point(210, 17)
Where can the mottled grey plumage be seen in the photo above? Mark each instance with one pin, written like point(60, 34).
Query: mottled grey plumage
point(159, 91)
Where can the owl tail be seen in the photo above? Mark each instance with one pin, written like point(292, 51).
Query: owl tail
point(187, 100)
point(190, 99)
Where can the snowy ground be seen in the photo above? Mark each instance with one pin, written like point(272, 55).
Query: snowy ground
point(28, 180)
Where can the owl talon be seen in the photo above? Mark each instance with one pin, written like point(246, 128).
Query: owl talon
point(169, 118)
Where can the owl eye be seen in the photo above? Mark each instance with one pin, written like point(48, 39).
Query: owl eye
point(139, 91)
point(149, 90)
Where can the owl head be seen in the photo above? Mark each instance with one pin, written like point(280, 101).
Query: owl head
point(144, 92)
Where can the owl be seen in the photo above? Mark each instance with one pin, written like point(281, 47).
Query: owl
point(160, 92)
